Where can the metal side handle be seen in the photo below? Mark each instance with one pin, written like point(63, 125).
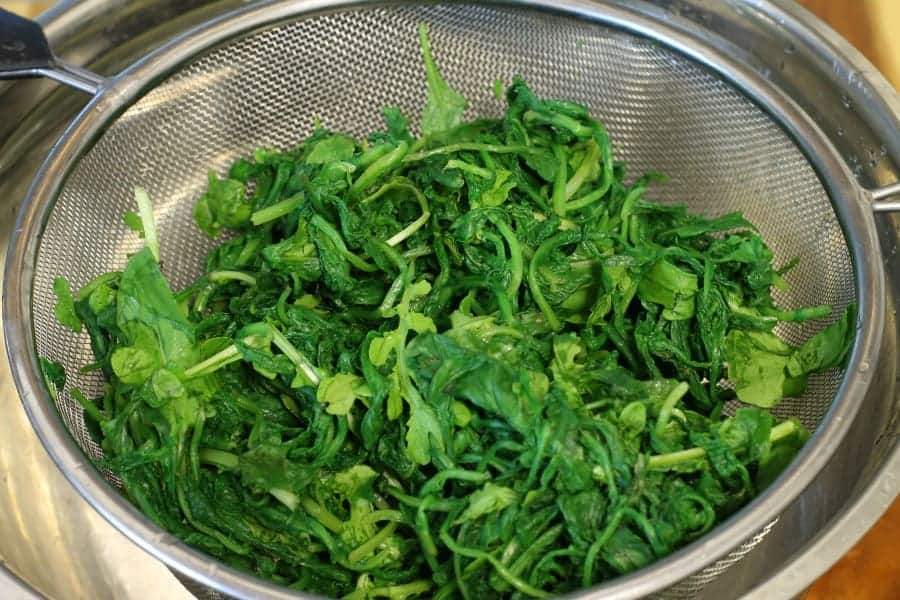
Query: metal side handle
point(881, 198)
point(25, 53)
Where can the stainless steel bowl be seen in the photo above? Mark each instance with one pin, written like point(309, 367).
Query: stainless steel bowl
point(758, 35)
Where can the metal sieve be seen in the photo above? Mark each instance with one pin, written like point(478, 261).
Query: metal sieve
point(727, 138)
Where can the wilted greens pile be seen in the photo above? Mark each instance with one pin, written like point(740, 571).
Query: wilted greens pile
point(476, 363)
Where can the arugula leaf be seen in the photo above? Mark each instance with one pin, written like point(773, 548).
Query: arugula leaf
point(65, 305)
point(340, 391)
point(224, 205)
point(491, 498)
point(445, 106)
point(54, 376)
point(756, 365)
point(148, 314)
point(425, 431)
point(825, 350)
point(671, 287)
point(133, 222)
point(445, 370)
point(135, 364)
point(331, 149)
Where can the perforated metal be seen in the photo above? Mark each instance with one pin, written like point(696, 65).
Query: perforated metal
point(665, 114)
point(691, 587)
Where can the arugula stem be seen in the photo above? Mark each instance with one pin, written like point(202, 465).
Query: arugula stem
point(409, 230)
point(516, 262)
point(145, 210)
point(289, 499)
point(560, 239)
point(671, 459)
point(423, 532)
point(378, 168)
point(558, 198)
point(504, 304)
point(559, 120)
point(458, 573)
point(806, 313)
point(783, 430)
point(543, 438)
point(709, 513)
point(277, 210)
point(372, 543)
point(501, 570)
point(406, 499)
point(375, 516)
point(194, 448)
point(87, 289)
point(587, 576)
point(577, 180)
point(225, 540)
point(537, 547)
point(606, 175)
point(471, 146)
point(374, 153)
point(213, 363)
point(469, 168)
point(202, 298)
point(219, 458)
point(627, 207)
point(406, 590)
point(550, 556)
point(390, 297)
point(90, 407)
point(609, 476)
point(476, 322)
point(320, 513)
point(222, 276)
point(418, 252)
point(435, 484)
point(326, 228)
point(586, 200)
point(668, 404)
point(647, 529)
point(299, 360)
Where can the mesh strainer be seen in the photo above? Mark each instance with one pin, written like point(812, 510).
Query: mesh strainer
point(728, 140)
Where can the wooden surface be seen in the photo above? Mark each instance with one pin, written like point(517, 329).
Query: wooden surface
point(871, 570)
point(873, 26)
point(29, 9)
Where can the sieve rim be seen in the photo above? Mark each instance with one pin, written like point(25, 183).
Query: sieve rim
point(846, 197)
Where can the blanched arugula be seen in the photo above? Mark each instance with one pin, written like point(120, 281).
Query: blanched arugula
point(445, 106)
point(477, 363)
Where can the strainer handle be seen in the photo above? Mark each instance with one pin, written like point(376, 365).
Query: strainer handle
point(881, 198)
point(25, 53)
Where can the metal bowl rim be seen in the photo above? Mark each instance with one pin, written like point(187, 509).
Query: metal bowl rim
point(848, 201)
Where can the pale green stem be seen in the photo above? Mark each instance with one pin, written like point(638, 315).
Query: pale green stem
point(220, 276)
point(664, 461)
point(145, 211)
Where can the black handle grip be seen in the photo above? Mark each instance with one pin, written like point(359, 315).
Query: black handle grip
point(23, 47)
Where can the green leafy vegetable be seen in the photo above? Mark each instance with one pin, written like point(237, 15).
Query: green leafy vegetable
point(445, 106)
point(65, 305)
point(340, 391)
point(475, 364)
point(223, 205)
point(491, 498)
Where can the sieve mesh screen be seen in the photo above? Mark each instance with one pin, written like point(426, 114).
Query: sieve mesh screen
point(664, 112)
